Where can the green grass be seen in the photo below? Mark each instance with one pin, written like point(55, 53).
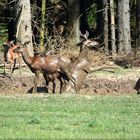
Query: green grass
point(69, 116)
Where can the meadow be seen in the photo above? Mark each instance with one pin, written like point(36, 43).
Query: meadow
point(69, 116)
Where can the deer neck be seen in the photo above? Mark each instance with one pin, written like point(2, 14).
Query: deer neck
point(26, 57)
point(83, 53)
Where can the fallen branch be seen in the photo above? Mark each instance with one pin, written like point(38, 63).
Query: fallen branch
point(102, 68)
point(8, 65)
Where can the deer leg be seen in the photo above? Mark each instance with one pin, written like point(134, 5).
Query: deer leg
point(73, 81)
point(19, 66)
point(54, 86)
point(4, 68)
point(47, 82)
point(35, 82)
point(47, 86)
point(12, 67)
point(70, 77)
point(63, 83)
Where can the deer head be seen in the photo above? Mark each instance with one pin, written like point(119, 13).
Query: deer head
point(85, 42)
point(20, 46)
point(90, 43)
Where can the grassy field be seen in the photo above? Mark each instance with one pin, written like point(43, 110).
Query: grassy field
point(69, 117)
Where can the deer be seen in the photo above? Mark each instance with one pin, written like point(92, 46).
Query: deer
point(52, 77)
point(137, 86)
point(51, 66)
point(11, 57)
point(80, 67)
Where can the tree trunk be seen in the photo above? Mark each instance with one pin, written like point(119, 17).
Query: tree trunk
point(100, 19)
point(84, 26)
point(73, 21)
point(23, 22)
point(105, 13)
point(102, 23)
point(138, 24)
point(124, 41)
point(112, 20)
point(42, 30)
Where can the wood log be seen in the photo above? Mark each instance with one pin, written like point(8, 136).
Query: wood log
point(8, 65)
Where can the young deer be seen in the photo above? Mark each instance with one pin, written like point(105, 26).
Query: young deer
point(11, 57)
point(47, 65)
point(52, 77)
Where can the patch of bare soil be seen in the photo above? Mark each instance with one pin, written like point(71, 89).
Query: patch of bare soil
point(19, 83)
point(121, 81)
point(103, 86)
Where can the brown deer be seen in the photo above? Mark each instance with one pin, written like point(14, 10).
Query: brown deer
point(11, 57)
point(48, 65)
point(80, 67)
point(52, 77)
point(137, 86)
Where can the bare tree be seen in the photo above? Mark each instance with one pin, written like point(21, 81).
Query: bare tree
point(124, 41)
point(138, 24)
point(102, 23)
point(100, 19)
point(23, 22)
point(42, 31)
point(73, 20)
point(105, 13)
point(112, 20)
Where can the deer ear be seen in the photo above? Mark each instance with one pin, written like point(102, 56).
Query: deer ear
point(87, 34)
point(84, 36)
point(12, 43)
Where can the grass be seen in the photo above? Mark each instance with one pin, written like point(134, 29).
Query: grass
point(118, 73)
point(69, 117)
